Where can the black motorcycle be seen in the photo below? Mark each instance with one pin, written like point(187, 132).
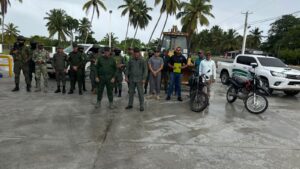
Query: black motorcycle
point(250, 91)
point(198, 98)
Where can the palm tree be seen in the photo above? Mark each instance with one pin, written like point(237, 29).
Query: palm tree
point(194, 13)
point(95, 4)
point(256, 36)
point(114, 40)
point(57, 24)
point(140, 18)
point(84, 29)
point(128, 7)
point(4, 4)
point(170, 7)
point(11, 32)
point(230, 41)
point(72, 25)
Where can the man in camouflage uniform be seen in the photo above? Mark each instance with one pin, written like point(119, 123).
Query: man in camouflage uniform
point(85, 59)
point(119, 75)
point(59, 63)
point(76, 62)
point(21, 55)
point(105, 75)
point(40, 57)
point(93, 58)
point(33, 47)
point(136, 74)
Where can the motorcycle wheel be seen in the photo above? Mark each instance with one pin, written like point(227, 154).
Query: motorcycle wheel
point(231, 94)
point(260, 106)
point(199, 101)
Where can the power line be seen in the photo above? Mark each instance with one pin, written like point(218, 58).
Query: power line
point(266, 20)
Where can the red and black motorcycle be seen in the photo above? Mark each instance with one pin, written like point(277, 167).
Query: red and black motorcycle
point(250, 91)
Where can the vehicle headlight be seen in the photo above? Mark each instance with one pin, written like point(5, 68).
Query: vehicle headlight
point(278, 74)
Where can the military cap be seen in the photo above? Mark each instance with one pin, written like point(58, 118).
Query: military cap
point(75, 45)
point(60, 47)
point(80, 47)
point(21, 38)
point(106, 49)
point(136, 50)
point(157, 50)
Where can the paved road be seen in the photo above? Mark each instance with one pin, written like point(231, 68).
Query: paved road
point(47, 131)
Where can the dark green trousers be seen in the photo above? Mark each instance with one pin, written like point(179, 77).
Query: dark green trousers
point(109, 88)
point(139, 86)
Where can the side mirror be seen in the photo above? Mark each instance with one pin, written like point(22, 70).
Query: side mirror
point(254, 65)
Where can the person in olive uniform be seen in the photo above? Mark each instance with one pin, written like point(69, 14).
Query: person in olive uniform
point(40, 57)
point(76, 62)
point(93, 58)
point(85, 59)
point(59, 63)
point(33, 47)
point(105, 75)
point(120, 61)
point(21, 56)
point(136, 74)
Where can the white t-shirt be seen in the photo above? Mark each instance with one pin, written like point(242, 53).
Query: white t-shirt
point(208, 68)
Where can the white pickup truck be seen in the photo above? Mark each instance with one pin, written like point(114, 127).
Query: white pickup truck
point(274, 74)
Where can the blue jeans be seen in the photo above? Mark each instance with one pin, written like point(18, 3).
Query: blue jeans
point(175, 80)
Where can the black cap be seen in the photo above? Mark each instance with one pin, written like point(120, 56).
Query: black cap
point(60, 47)
point(75, 45)
point(80, 47)
point(21, 38)
point(106, 49)
point(136, 50)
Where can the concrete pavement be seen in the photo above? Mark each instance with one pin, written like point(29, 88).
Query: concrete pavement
point(47, 131)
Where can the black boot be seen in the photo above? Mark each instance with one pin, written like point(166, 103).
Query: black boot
point(71, 92)
point(28, 88)
point(145, 91)
point(120, 93)
point(64, 90)
point(80, 92)
point(16, 88)
point(116, 91)
point(57, 90)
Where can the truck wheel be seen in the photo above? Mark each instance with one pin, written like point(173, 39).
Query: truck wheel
point(224, 77)
point(291, 93)
point(265, 85)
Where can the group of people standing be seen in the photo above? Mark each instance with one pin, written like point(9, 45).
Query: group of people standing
point(107, 69)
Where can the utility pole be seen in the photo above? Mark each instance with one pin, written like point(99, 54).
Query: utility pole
point(245, 32)
point(110, 11)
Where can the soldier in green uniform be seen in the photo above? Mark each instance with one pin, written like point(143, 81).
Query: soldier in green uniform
point(59, 63)
point(85, 59)
point(21, 55)
point(92, 59)
point(40, 57)
point(120, 61)
point(33, 47)
point(105, 75)
point(76, 62)
point(136, 74)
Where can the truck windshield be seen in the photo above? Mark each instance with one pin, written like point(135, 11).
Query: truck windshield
point(271, 62)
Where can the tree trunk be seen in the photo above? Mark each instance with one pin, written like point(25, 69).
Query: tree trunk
point(72, 37)
point(162, 31)
point(2, 28)
point(134, 37)
point(87, 34)
point(155, 28)
point(126, 34)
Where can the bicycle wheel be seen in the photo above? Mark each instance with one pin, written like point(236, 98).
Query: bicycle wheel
point(199, 101)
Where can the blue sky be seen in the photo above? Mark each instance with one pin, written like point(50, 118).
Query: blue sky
point(29, 15)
